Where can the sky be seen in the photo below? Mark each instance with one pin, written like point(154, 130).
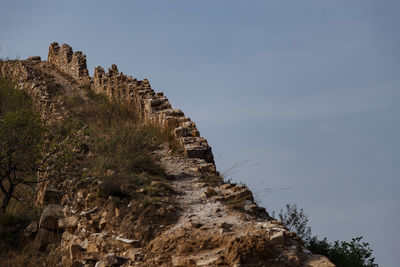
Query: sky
point(299, 99)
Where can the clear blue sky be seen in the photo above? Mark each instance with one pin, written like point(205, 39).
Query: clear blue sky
point(304, 94)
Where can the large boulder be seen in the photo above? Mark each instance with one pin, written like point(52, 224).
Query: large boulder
point(50, 216)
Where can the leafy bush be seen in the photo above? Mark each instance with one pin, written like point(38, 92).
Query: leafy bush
point(342, 253)
point(27, 146)
point(296, 221)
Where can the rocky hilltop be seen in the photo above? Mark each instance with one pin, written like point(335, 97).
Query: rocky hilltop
point(190, 217)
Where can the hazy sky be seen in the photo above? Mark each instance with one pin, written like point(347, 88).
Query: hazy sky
point(304, 94)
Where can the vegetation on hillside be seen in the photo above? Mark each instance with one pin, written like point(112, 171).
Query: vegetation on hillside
point(342, 253)
point(97, 139)
point(119, 147)
point(28, 146)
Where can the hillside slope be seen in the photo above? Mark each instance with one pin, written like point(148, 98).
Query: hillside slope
point(172, 209)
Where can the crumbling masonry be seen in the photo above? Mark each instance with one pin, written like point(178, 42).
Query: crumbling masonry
point(152, 107)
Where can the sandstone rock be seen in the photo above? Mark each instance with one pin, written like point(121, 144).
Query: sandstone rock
point(92, 247)
point(135, 255)
point(208, 193)
point(211, 260)
point(243, 196)
point(278, 239)
point(238, 188)
point(68, 222)
point(35, 58)
point(277, 222)
point(90, 256)
point(103, 222)
point(182, 261)
point(226, 186)
point(69, 62)
point(101, 264)
point(113, 260)
point(251, 207)
point(318, 261)
point(270, 225)
point(181, 131)
point(207, 168)
point(50, 216)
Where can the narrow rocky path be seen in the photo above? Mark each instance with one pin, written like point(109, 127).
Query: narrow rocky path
point(219, 234)
point(197, 208)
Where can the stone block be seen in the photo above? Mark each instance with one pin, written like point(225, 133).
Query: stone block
point(278, 239)
point(50, 216)
point(35, 58)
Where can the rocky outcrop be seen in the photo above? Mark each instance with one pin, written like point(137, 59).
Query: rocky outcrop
point(71, 63)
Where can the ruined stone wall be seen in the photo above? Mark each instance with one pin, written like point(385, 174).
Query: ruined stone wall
point(29, 81)
point(151, 107)
point(69, 62)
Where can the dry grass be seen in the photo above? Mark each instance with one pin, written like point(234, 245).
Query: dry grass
point(29, 255)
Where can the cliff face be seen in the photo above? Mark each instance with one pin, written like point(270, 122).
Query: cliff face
point(200, 221)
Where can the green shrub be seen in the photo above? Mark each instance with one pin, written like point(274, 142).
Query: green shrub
point(27, 145)
point(342, 253)
point(296, 221)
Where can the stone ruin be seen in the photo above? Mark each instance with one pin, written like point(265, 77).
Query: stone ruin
point(69, 62)
point(153, 108)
